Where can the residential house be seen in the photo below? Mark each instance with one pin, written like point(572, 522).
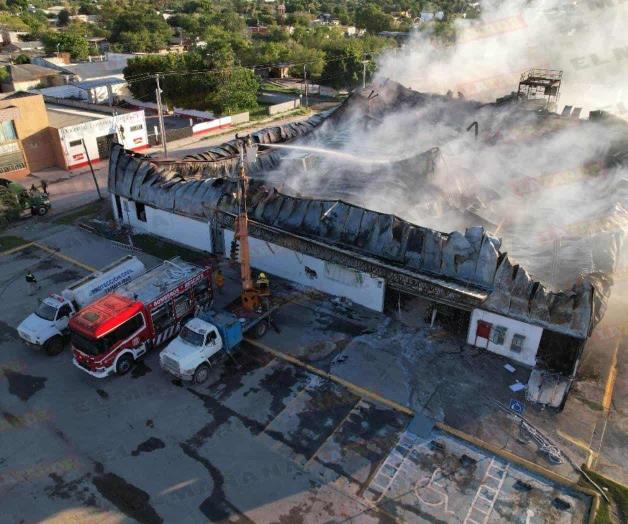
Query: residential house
point(23, 77)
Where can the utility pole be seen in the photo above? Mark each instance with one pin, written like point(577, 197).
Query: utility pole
point(91, 168)
point(305, 85)
point(161, 117)
point(364, 62)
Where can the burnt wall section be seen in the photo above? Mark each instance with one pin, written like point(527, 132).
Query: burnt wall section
point(472, 259)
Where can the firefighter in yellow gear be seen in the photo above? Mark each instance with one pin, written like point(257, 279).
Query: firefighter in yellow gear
point(262, 282)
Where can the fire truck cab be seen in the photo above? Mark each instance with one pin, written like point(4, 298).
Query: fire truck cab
point(110, 334)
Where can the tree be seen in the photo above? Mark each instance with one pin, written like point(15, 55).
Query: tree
point(22, 59)
point(235, 90)
point(373, 19)
point(17, 5)
point(139, 30)
point(64, 18)
point(67, 41)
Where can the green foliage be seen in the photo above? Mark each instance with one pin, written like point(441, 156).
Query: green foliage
point(67, 41)
point(12, 22)
point(344, 67)
point(17, 5)
point(64, 18)
point(202, 81)
point(22, 59)
point(373, 19)
point(139, 29)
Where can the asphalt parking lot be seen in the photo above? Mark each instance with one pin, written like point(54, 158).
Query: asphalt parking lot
point(263, 441)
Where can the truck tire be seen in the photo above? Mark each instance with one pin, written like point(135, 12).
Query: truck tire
point(260, 329)
point(39, 210)
point(201, 374)
point(54, 346)
point(124, 364)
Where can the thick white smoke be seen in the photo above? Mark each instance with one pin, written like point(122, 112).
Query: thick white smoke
point(587, 40)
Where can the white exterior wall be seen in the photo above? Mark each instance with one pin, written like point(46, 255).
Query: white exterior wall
point(89, 131)
point(330, 278)
point(180, 229)
point(532, 333)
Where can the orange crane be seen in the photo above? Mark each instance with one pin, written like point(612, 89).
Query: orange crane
point(251, 296)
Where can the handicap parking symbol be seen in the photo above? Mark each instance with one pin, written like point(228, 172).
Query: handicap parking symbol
point(516, 406)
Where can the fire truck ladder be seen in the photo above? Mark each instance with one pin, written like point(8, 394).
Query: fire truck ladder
point(488, 492)
point(388, 470)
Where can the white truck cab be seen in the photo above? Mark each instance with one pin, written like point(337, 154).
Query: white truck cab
point(50, 320)
point(188, 356)
point(47, 326)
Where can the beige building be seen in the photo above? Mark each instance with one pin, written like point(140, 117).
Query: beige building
point(25, 143)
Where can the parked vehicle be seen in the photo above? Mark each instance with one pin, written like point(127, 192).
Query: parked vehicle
point(110, 334)
point(208, 337)
point(47, 327)
point(16, 202)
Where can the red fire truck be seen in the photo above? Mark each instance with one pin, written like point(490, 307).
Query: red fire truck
point(110, 334)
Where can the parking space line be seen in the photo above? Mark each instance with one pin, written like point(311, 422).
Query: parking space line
point(308, 461)
point(358, 390)
point(64, 257)
point(301, 391)
point(610, 382)
point(16, 249)
point(581, 444)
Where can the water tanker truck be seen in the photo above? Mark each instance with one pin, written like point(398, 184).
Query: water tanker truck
point(47, 327)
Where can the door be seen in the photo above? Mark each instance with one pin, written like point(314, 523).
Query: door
point(104, 144)
point(63, 316)
point(483, 329)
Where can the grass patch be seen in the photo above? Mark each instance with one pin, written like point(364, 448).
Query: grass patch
point(10, 242)
point(163, 249)
point(268, 86)
point(619, 498)
point(86, 211)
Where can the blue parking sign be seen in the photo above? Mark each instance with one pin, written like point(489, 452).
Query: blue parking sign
point(516, 406)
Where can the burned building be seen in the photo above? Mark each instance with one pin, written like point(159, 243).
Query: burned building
point(343, 248)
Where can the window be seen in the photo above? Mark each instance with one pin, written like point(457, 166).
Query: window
point(137, 127)
point(211, 337)
point(162, 317)
point(140, 211)
point(7, 132)
point(76, 143)
point(498, 335)
point(182, 304)
point(517, 343)
point(125, 330)
point(201, 292)
point(64, 311)
point(119, 208)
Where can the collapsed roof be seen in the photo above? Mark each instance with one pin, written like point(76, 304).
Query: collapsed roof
point(199, 186)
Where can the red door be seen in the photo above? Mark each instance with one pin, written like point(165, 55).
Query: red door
point(483, 329)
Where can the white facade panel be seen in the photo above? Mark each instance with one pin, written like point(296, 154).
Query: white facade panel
point(327, 277)
point(503, 330)
point(130, 129)
point(330, 278)
point(180, 229)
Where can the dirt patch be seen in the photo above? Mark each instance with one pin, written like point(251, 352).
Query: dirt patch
point(129, 499)
point(147, 446)
point(22, 385)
